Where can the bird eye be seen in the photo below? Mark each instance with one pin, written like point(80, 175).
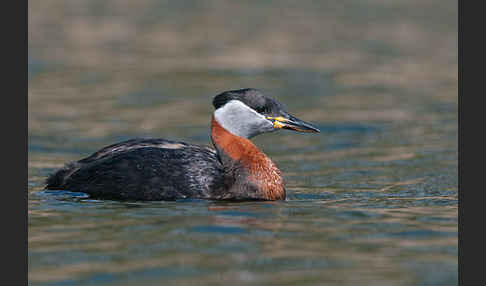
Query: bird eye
point(260, 109)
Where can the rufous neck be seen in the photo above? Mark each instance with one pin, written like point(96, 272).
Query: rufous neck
point(259, 176)
point(237, 148)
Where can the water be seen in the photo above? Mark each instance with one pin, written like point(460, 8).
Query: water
point(372, 199)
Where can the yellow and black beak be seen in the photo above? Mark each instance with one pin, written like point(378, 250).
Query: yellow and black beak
point(292, 123)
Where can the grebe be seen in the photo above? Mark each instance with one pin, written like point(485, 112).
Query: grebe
point(160, 169)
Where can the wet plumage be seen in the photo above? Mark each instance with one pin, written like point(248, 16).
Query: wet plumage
point(144, 169)
point(160, 169)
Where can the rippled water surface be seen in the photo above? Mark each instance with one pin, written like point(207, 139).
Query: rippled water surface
point(371, 200)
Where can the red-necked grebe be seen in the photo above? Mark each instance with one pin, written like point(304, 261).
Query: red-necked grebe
point(160, 169)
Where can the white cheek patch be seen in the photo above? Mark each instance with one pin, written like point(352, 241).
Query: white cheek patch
point(241, 120)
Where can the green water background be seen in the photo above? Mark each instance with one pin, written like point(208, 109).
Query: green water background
point(372, 199)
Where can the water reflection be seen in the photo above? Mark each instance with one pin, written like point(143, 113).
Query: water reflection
point(296, 236)
point(372, 200)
